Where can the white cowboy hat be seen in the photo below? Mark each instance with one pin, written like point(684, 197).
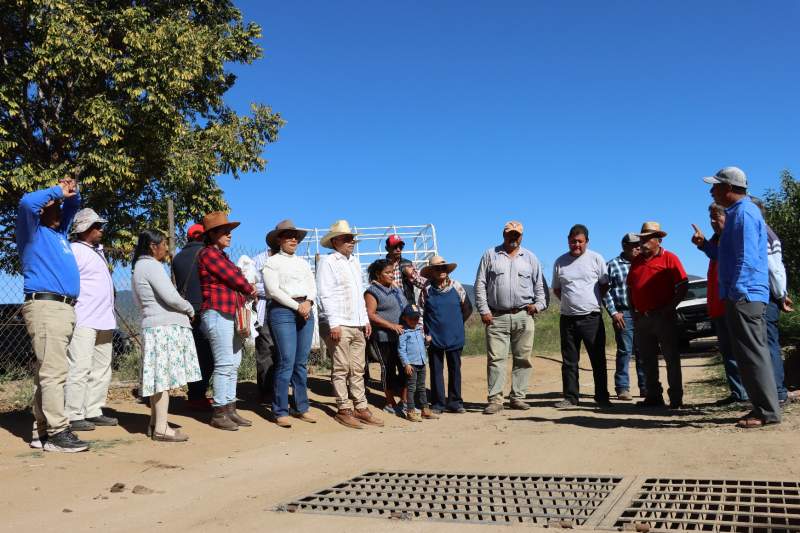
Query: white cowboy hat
point(436, 261)
point(337, 229)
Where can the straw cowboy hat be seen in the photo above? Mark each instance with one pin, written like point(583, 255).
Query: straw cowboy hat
point(652, 229)
point(285, 226)
point(338, 228)
point(217, 220)
point(436, 261)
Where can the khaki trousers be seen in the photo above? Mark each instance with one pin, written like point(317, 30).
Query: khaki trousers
point(50, 326)
point(347, 374)
point(514, 332)
point(89, 375)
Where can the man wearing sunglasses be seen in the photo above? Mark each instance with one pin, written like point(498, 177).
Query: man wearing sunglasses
point(90, 349)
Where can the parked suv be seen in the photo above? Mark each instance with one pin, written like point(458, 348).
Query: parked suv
point(693, 319)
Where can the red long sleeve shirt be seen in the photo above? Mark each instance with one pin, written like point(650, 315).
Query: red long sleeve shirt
point(222, 283)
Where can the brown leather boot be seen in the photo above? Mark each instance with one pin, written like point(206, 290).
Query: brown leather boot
point(365, 416)
point(220, 419)
point(427, 413)
point(345, 417)
point(233, 415)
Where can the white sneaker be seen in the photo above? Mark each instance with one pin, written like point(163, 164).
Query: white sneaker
point(37, 443)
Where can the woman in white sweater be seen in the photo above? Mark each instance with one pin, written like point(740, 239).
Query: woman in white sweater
point(290, 287)
point(169, 359)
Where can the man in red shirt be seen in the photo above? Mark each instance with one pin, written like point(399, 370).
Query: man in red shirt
point(657, 283)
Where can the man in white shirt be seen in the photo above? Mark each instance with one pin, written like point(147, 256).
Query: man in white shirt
point(580, 280)
point(344, 325)
point(90, 349)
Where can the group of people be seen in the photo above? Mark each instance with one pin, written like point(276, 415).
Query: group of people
point(194, 325)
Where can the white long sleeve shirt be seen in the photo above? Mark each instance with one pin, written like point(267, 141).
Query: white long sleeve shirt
point(287, 277)
point(261, 304)
point(340, 292)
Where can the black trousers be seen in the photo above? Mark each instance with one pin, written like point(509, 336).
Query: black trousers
point(589, 330)
point(197, 389)
point(654, 333)
point(266, 357)
point(417, 397)
point(452, 400)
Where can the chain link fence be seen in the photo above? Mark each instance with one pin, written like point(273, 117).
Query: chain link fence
point(17, 360)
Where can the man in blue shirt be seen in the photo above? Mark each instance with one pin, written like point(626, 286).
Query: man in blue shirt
point(51, 287)
point(744, 287)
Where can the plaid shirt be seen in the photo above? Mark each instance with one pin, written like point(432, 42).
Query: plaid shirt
point(415, 279)
point(223, 285)
point(616, 299)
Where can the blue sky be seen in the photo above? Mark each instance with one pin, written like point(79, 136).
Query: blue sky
point(468, 114)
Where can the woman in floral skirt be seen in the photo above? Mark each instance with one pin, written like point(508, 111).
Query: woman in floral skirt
point(169, 359)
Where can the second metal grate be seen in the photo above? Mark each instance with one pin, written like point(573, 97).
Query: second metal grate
point(478, 498)
point(714, 505)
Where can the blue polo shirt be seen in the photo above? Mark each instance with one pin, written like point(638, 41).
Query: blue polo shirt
point(743, 267)
point(47, 261)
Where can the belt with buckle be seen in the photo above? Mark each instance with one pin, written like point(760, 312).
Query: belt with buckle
point(51, 296)
point(501, 312)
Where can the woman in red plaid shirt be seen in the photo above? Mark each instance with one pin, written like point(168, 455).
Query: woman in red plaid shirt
point(224, 288)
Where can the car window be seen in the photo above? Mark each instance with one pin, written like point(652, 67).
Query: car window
point(697, 290)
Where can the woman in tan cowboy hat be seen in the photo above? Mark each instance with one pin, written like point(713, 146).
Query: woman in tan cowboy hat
point(445, 307)
point(224, 289)
point(290, 287)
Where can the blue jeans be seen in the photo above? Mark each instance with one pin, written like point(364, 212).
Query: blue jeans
point(226, 346)
point(732, 373)
point(772, 315)
point(292, 336)
point(625, 349)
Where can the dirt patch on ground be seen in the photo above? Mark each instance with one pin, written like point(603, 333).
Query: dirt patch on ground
point(222, 480)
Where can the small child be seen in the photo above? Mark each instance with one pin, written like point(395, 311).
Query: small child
point(413, 356)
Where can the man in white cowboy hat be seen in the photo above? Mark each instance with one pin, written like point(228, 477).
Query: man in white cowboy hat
point(743, 268)
point(344, 324)
point(657, 283)
point(90, 349)
point(509, 291)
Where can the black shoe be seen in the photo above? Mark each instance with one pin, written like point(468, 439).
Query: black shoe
point(603, 403)
point(676, 405)
point(563, 404)
point(651, 402)
point(65, 442)
point(81, 425)
point(103, 420)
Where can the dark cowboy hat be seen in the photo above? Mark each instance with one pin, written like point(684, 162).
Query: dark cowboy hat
point(285, 226)
point(217, 220)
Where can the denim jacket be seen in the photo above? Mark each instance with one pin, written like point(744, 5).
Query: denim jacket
point(412, 347)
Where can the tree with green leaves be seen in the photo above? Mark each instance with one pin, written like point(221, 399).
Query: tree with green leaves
point(127, 96)
point(783, 213)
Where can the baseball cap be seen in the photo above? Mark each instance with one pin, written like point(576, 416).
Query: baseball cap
point(194, 231)
point(393, 240)
point(631, 238)
point(513, 225)
point(410, 311)
point(731, 175)
point(84, 220)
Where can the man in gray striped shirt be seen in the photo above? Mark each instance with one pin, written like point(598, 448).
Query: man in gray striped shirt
point(509, 290)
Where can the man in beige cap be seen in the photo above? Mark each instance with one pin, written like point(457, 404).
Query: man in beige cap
point(509, 291)
point(657, 283)
point(344, 324)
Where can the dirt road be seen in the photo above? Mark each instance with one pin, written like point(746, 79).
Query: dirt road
point(233, 481)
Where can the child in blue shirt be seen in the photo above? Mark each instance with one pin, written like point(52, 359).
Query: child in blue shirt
point(413, 357)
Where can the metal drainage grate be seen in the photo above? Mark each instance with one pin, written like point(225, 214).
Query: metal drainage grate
point(714, 505)
point(478, 498)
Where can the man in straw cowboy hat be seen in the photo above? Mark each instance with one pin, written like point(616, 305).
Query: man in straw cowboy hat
point(509, 290)
point(743, 269)
point(344, 324)
point(446, 307)
point(657, 283)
